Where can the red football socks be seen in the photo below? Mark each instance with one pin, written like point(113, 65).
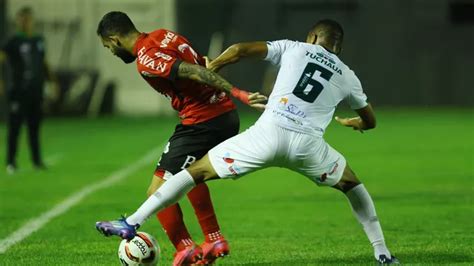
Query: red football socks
point(171, 220)
point(200, 199)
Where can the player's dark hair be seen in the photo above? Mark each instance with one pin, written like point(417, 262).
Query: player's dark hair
point(25, 11)
point(115, 23)
point(331, 31)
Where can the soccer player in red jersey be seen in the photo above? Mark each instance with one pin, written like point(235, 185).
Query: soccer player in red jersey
point(173, 68)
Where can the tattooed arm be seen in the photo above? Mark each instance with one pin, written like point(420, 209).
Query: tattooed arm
point(203, 75)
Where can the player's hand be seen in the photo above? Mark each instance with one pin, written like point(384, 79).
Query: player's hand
point(354, 122)
point(257, 101)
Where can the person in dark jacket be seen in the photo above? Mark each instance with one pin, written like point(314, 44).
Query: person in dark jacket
point(24, 54)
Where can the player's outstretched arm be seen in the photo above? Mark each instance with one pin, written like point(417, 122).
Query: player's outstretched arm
point(365, 120)
point(203, 75)
point(235, 52)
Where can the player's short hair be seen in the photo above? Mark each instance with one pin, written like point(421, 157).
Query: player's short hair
point(115, 23)
point(25, 11)
point(330, 30)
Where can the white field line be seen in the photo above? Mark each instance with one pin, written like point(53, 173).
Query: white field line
point(36, 223)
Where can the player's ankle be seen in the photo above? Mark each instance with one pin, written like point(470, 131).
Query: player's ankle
point(184, 243)
point(381, 249)
point(214, 236)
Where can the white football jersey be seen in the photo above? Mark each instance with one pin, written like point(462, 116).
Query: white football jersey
point(310, 84)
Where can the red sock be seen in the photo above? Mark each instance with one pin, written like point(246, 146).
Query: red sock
point(171, 220)
point(214, 236)
point(200, 199)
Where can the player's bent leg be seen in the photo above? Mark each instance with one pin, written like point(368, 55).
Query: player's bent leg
point(171, 218)
point(202, 170)
point(156, 182)
point(364, 211)
point(239, 155)
point(215, 245)
point(348, 180)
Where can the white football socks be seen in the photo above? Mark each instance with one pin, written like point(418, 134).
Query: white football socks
point(169, 193)
point(364, 210)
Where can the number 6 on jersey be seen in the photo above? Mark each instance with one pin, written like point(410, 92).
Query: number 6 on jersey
point(308, 88)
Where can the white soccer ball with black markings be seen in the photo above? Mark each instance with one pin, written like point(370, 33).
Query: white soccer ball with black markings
point(141, 250)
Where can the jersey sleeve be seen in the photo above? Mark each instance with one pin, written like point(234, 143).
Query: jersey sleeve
point(159, 64)
point(356, 98)
point(276, 49)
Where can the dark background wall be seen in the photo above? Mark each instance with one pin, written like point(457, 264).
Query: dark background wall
point(3, 23)
point(418, 52)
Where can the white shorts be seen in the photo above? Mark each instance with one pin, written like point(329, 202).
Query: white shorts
point(265, 144)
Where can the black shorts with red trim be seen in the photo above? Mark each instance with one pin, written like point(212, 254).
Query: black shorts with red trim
point(191, 142)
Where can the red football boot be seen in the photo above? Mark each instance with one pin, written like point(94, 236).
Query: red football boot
point(214, 250)
point(188, 256)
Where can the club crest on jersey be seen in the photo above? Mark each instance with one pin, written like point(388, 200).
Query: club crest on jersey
point(282, 103)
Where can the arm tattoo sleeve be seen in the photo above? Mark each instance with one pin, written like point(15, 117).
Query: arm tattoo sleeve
point(203, 75)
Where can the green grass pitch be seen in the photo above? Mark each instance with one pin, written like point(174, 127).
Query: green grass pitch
point(417, 164)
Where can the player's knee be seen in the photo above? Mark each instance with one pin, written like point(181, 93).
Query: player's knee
point(346, 185)
point(156, 182)
point(150, 191)
point(202, 170)
point(348, 180)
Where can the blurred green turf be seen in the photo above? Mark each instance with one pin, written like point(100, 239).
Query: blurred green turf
point(417, 164)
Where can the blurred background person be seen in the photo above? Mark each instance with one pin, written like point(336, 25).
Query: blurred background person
point(24, 55)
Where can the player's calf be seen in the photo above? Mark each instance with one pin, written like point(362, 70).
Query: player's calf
point(364, 210)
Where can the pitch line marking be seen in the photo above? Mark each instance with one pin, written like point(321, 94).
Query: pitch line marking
point(35, 224)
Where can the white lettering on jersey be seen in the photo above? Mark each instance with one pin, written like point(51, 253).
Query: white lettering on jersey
point(168, 38)
point(307, 90)
point(164, 56)
point(149, 62)
point(326, 60)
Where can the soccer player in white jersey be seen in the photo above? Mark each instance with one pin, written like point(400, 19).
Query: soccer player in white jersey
point(311, 82)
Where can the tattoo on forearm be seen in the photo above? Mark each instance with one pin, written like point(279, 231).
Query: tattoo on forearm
point(203, 75)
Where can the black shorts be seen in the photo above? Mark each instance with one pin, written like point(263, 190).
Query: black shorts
point(191, 142)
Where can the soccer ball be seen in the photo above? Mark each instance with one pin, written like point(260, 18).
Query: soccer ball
point(140, 250)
